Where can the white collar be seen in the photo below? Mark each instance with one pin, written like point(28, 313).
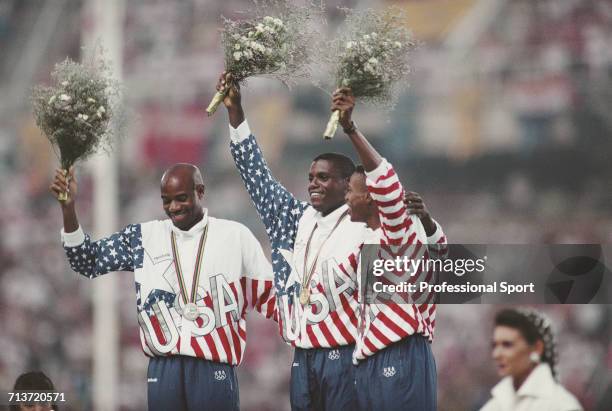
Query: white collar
point(196, 230)
point(328, 221)
point(539, 383)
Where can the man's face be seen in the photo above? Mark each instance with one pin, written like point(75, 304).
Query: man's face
point(358, 199)
point(326, 186)
point(182, 201)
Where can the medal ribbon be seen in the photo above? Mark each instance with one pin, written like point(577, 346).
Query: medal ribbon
point(196, 269)
point(306, 278)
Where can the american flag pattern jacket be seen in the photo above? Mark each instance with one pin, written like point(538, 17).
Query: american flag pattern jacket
point(235, 276)
point(330, 318)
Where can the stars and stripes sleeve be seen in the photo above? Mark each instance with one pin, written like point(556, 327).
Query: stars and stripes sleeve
point(121, 251)
point(275, 205)
point(258, 277)
point(387, 191)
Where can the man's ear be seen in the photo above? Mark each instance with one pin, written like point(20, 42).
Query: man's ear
point(200, 189)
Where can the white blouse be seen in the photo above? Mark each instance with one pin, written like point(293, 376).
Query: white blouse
point(539, 392)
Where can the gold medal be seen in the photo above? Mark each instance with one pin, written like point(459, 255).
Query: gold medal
point(304, 296)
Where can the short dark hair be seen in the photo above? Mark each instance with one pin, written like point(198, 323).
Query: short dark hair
point(533, 326)
point(359, 170)
point(343, 164)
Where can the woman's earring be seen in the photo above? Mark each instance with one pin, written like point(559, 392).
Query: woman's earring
point(534, 357)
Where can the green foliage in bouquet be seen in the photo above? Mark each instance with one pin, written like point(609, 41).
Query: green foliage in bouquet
point(75, 112)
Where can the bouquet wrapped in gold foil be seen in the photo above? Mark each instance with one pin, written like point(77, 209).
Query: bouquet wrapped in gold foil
point(275, 41)
point(370, 56)
point(76, 110)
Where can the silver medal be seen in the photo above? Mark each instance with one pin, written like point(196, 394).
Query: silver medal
point(190, 311)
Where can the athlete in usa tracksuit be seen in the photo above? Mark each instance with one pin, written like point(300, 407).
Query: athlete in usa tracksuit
point(193, 289)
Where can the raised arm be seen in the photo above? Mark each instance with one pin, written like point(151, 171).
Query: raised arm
point(121, 251)
point(382, 182)
point(275, 205)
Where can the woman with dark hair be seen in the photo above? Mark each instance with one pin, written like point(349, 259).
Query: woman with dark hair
point(525, 354)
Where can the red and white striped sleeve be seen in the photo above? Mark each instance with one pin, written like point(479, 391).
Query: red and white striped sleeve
point(387, 191)
point(258, 278)
point(437, 243)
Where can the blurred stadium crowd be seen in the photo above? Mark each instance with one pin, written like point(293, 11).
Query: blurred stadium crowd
point(505, 131)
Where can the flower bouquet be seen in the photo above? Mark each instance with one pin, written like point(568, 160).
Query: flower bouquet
point(75, 112)
point(369, 56)
point(277, 47)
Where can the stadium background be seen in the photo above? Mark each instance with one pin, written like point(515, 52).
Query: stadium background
point(505, 132)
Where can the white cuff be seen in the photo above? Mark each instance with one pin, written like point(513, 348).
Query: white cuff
point(437, 235)
point(242, 132)
point(74, 238)
point(381, 170)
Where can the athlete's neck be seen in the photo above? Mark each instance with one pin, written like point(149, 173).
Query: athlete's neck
point(195, 221)
point(331, 209)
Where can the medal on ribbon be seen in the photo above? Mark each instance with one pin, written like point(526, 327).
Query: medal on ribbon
point(190, 309)
point(307, 275)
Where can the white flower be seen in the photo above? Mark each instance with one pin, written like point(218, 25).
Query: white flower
point(237, 55)
point(236, 36)
point(90, 100)
point(65, 97)
point(248, 54)
point(268, 19)
point(374, 35)
point(85, 117)
point(101, 109)
point(349, 45)
point(279, 22)
point(366, 37)
point(373, 60)
point(237, 46)
point(52, 99)
point(64, 83)
point(259, 28)
point(251, 33)
point(397, 44)
point(369, 68)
